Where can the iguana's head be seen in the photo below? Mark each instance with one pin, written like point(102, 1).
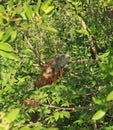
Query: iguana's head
point(60, 61)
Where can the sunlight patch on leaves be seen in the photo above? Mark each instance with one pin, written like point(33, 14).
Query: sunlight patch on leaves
point(110, 96)
point(98, 115)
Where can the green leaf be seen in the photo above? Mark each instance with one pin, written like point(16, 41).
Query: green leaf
point(49, 29)
point(28, 11)
point(45, 4)
point(74, 3)
point(7, 51)
point(111, 73)
point(110, 96)
point(61, 115)
point(9, 35)
point(2, 9)
point(9, 55)
point(49, 9)
point(6, 47)
point(52, 129)
point(13, 115)
point(109, 128)
point(65, 104)
point(25, 128)
point(37, 7)
point(1, 34)
point(108, 3)
point(98, 115)
point(27, 51)
point(6, 36)
point(13, 35)
point(66, 114)
point(2, 127)
point(56, 115)
point(18, 10)
point(98, 101)
point(51, 119)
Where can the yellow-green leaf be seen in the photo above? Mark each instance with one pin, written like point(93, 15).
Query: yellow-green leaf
point(37, 7)
point(6, 36)
point(1, 35)
point(111, 73)
point(66, 114)
point(52, 129)
point(6, 47)
point(49, 29)
point(28, 11)
point(98, 115)
point(9, 55)
point(2, 9)
point(13, 35)
point(110, 96)
point(45, 4)
point(56, 115)
point(49, 9)
point(13, 115)
point(25, 128)
point(97, 101)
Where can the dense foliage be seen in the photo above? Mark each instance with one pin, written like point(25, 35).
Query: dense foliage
point(34, 31)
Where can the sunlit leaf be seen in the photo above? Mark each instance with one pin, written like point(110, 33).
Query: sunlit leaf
point(51, 119)
point(97, 101)
point(2, 9)
point(111, 73)
point(18, 10)
point(109, 128)
point(74, 2)
point(80, 121)
point(9, 55)
point(45, 4)
point(28, 11)
point(56, 115)
point(6, 47)
point(27, 51)
point(98, 115)
point(25, 128)
point(65, 104)
point(6, 36)
point(49, 9)
point(58, 99)
point(37, 7)
point(13, 115)
point(66, 114)
point(13, 35)
point(1, 34)
point(110, 96)
point(49, 29)
point(52, 129)
point(108, 3)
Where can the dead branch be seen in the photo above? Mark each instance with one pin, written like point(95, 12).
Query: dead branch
point(61, 108)
point(93, 47)
point(32, 48)
point(36, 104)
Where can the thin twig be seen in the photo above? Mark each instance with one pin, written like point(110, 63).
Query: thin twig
point(61, 108)
point(36, 104)
point(31, 47)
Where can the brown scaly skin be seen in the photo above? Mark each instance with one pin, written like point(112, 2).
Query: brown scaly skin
point(52, 71)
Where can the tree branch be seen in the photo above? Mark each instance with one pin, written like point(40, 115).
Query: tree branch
point(93, 47)
point(36, 104)
point(31, 47)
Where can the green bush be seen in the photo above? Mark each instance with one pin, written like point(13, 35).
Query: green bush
point(31, 33)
